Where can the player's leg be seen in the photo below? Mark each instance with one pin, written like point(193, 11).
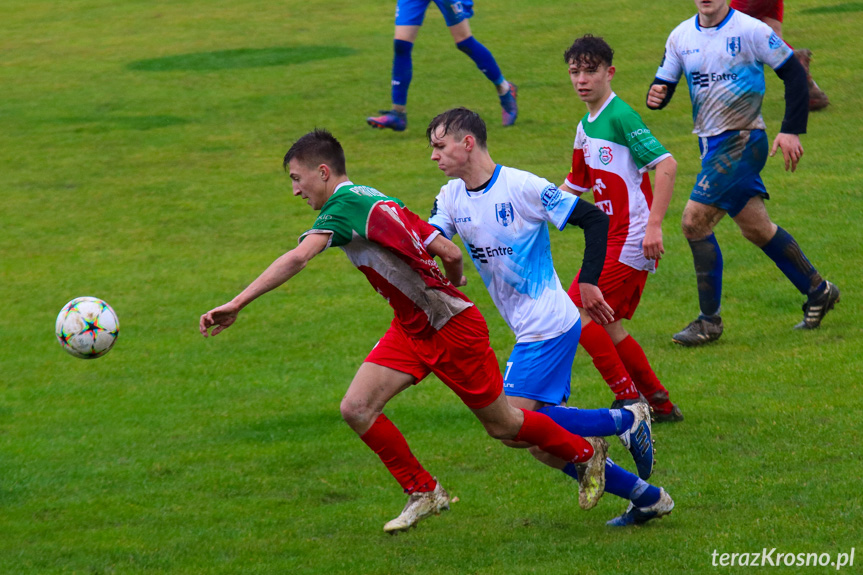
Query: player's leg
point(409, 19)
point(456, 15)
point(782, 248)
point(599, 346)
point(391, 367)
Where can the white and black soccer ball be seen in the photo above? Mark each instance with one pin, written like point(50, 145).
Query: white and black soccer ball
point(87, 327)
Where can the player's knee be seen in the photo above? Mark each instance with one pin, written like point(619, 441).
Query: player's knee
point(501, 432)
point(357, 414)
point(693, 229)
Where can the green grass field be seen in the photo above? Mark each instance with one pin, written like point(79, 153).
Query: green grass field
point(141, 148)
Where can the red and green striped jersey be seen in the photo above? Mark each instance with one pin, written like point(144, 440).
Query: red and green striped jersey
point(387, 242)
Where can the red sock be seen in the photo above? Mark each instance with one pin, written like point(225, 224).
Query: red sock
point(540, 430)
point(596, 342)
point(645, 379)
point(384, 438)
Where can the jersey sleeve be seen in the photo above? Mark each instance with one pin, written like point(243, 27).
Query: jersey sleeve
point(334, 219)
point(425, 230)
point(671, 67)
point(769, 47)
point(645, 148)
point(579, 176)
point(440, 217)
point(543, 201)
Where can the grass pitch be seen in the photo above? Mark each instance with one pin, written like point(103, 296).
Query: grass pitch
point(141, 150)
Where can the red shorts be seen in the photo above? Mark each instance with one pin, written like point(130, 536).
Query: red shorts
point(760, 8)
point(459, 354)
point(621, 287)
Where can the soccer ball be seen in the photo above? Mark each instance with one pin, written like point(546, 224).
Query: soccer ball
point(87, 327)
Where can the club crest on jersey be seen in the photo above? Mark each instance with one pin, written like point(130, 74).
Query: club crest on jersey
point(605, 155)
point(732, 45)
point(503, 213)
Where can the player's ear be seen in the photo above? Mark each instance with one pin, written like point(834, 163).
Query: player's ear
point(469, 142)
point(611, 71)
point(324, 171)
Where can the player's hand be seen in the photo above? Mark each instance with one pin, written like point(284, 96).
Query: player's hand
point(595, 305)
point(656, 95)
point(221, 317)
point(792, 149)
point(652, 244)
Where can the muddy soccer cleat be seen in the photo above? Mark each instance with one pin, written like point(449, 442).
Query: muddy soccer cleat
point(591, 474)
point(699, 332)
point(419, 506)
point(641, 515)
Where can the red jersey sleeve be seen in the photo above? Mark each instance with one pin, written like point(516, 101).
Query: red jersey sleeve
point(579, 174)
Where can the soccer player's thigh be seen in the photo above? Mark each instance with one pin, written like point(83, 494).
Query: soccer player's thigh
point(539, 373)
point(454, 11)
point(461, 356)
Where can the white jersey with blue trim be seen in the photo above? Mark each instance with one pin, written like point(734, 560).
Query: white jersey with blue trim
point(505, 229)
point(724, 68)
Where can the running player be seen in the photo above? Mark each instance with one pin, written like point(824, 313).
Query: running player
point(409, 18)
point(722, 53)
point(436, 329)
point(502, 215)
point(612, 153)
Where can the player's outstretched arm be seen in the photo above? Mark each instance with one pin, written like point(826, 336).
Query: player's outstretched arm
point(280, 271)
point(666, 172)
point(793, 75)
point(451, 258)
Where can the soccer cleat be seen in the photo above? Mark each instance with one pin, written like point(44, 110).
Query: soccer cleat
point(641, 515)
point(396, 121)
point(419, 506)
point(817, 306)
point(509, 105)
point(663, 410)
point(591, 474)
point(637, 439)
point(699, 332)
point(672, 416)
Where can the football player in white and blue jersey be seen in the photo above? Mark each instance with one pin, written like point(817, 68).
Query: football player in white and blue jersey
point(502, 215)
point(722, 53)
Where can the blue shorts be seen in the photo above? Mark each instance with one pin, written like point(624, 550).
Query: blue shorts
point(731, 165)
point(542, 370)
point(412, 12)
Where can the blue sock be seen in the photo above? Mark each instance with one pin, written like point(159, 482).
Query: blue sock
point(622, 483)
point(789, 258)
point(590, 422)
point(708, 272)
point(402, 71)
point(482, 58)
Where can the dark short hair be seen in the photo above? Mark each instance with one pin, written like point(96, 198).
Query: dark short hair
point(318, 147)
point(590, 50)
point(460, 121)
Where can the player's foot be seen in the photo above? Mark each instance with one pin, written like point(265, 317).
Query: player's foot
point(641, 515)
point(671, 416)
point(419, 506)
point(396, 121)
point(509, 105)
point(637, 439)
point(621, 403)
point(699, 332)
point(817, 306)
point(591, 474)
point(663, 410)
point(818, 100)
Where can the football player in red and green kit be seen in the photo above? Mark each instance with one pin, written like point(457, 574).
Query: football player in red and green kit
point(436, 328)
point(612, 153)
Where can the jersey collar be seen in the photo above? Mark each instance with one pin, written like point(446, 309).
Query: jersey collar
point(721, 24)
point(488, 187)
point(592, 117)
